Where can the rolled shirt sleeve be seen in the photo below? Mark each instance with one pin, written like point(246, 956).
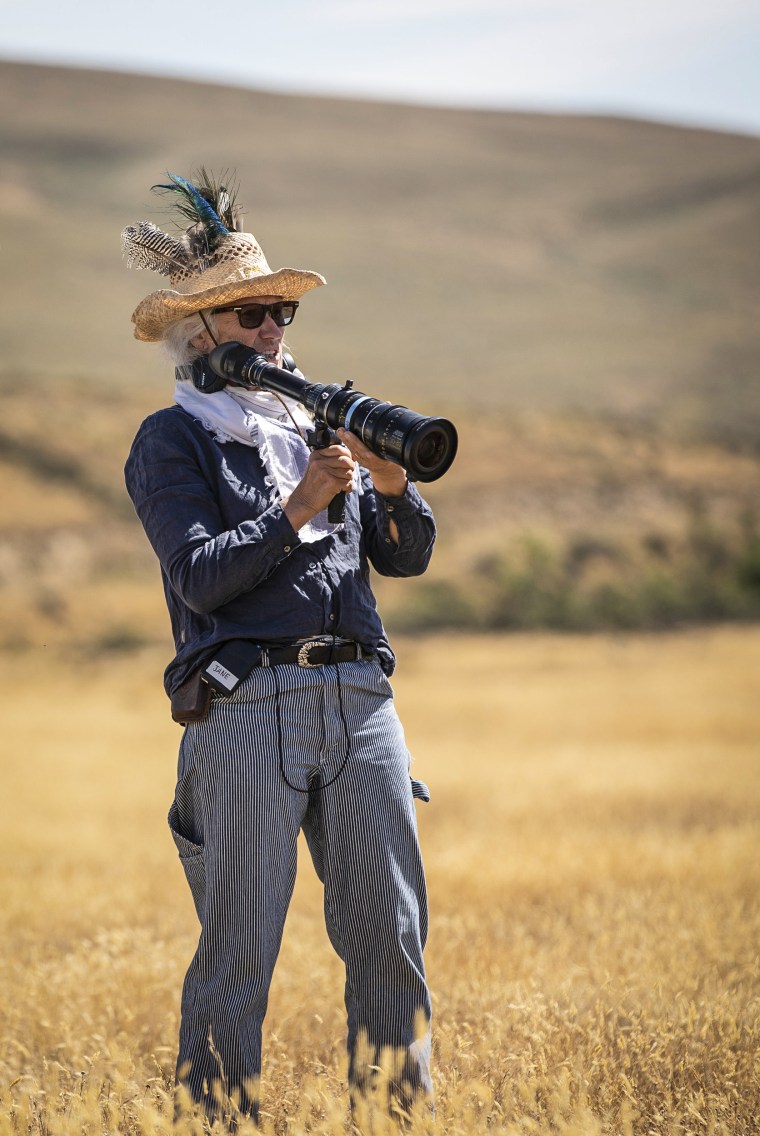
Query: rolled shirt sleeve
point(416, 533)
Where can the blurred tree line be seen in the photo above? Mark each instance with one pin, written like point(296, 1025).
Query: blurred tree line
point(654, 581)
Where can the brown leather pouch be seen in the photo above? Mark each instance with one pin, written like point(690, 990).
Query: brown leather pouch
point(191, 700)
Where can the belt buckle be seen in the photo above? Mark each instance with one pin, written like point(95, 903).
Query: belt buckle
point(303, 655)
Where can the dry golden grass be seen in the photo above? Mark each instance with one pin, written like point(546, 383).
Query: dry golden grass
point(593, 865)
point(597, 495)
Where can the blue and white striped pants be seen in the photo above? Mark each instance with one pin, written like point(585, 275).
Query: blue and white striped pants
point(235, 820)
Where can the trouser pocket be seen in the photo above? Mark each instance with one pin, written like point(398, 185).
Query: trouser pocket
point(192, 860)
point(420, 791)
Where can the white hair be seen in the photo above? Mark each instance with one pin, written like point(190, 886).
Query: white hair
point(178, 338)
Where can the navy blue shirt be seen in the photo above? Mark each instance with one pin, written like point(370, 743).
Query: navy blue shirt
point(234, 568)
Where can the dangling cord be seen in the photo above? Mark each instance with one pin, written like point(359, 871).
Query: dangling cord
point(208, 329)
point(281, 748)
point(290, 416)
point(284, 405)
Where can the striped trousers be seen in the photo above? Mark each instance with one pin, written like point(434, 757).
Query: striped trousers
point(320, 750)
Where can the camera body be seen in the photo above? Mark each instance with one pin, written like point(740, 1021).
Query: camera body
point(425, 447)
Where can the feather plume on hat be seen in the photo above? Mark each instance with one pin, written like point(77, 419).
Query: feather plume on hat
point(146, 246)
point(211, 265)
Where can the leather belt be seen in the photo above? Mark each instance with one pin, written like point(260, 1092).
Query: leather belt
point(312, 653)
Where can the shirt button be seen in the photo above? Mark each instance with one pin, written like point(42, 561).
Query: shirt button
point(387, 540)
point(312, 566)
point(287, 548)
point(390, 508)
point(331, 618)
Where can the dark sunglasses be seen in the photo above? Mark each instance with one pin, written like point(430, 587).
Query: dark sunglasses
point(253, 315)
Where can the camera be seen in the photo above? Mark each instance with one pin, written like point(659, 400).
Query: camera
point(425, 447)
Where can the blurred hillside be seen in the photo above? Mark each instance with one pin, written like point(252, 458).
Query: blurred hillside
point(591, 283)
point(539, 261)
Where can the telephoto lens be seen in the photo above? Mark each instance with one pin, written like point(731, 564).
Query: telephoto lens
point(425, 447)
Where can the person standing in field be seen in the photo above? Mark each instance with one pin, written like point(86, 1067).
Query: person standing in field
point(281, 672)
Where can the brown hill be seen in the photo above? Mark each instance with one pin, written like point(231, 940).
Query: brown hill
point(480, 258)
point(591, 283)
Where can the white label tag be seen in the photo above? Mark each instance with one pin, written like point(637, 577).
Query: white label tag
point(225, 677)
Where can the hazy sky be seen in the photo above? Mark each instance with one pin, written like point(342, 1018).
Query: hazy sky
point(687, 61)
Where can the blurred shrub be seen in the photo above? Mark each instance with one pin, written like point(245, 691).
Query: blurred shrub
point(589, 582)
point(440, 603)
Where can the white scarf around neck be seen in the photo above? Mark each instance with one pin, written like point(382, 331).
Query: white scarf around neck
point(258, 418)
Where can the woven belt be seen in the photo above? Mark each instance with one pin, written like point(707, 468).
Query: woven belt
point(312, 653)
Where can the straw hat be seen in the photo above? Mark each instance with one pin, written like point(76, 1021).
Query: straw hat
point(210, 266)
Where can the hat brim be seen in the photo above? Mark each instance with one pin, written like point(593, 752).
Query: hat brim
point(160, 309)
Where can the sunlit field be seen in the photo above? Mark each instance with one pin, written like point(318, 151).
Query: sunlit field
point(593, 862)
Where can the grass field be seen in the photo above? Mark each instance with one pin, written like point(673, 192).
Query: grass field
point(580, 295)
point(592, 853)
